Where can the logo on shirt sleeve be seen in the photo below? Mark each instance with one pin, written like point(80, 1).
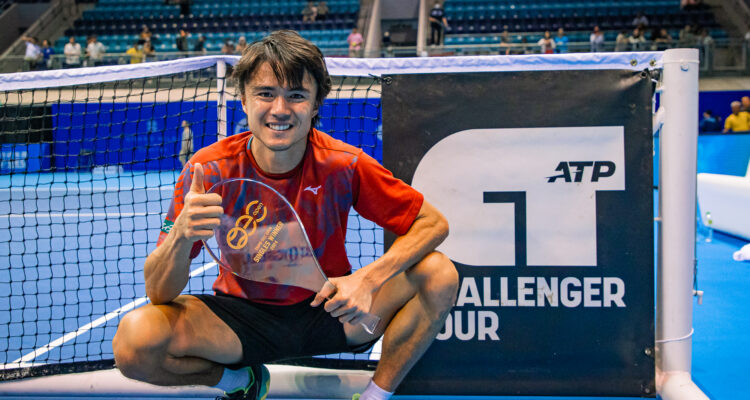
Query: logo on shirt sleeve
point(167, 226)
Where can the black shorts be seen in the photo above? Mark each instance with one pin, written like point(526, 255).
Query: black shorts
point(271, 333)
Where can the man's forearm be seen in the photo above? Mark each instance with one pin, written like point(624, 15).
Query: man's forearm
point(426, 233)
point(166, 269)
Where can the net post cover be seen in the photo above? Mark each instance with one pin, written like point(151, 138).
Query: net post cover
point(546, 181)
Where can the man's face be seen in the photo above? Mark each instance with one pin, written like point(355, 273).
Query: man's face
point(72, 39)
point(745, 102)
point(279, 116)
point(735, 108)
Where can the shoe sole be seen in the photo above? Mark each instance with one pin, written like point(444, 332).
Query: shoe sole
point(265, 383)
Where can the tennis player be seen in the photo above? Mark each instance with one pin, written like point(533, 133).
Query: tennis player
point(222, 340)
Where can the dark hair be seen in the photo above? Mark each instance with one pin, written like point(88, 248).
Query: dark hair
point(289, 55)
point(709, 112)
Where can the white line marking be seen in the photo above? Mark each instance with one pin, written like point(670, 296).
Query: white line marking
point(77, 190)
point(82, 215)
point(99, 321)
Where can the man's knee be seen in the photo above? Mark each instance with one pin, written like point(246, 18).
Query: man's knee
point(436, 278)
point(141, 338)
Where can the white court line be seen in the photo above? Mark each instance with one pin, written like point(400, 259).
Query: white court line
point(81, 215)
point(93, 324)
point(74, 190)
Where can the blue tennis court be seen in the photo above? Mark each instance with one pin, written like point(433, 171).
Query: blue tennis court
point(76, 248)
point(73, 273)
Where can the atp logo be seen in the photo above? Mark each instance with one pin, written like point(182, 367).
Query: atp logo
point(599, 170)
point(255, 212)
point(504, 202)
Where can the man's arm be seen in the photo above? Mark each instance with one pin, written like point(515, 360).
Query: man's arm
point(354, 293)
point(166, 269)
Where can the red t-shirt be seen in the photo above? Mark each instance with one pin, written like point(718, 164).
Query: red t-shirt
point(332, 177)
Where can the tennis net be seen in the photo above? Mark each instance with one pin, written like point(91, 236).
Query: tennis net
point(88, 163)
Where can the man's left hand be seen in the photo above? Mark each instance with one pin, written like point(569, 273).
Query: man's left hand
point(347, 298)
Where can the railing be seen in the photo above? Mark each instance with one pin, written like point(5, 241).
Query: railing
point(60, 12)
point(10, 64)
point(725, 56)
point(4, 5)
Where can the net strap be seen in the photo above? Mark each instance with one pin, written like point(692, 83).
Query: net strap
point(345, 67)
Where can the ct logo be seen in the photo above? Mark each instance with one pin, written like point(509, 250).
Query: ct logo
point(239, 232)
point(522, 196)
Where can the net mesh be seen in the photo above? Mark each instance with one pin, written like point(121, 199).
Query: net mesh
point(87, 173)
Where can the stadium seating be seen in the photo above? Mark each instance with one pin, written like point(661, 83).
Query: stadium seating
point(482, 17)
point(118, 22)
point(119, 43)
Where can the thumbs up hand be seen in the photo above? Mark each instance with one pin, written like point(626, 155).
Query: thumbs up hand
point(201, 212)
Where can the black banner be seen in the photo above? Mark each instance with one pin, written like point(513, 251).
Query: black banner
point(545, 179)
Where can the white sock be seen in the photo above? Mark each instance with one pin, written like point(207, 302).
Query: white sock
point(374, 392)
point(233, 379)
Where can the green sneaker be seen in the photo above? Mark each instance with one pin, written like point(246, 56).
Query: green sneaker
point(257, 389)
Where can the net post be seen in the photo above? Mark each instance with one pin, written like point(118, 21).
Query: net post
point(422, 27)
point(676, 233)
point(221, 102)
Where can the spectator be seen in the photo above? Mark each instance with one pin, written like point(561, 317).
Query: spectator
point(228, 48)
point(136, 53)
point(149, 53)
point(241, 45)
point(200, 44)
point(47, 52)
point(637, 41)
point(322, 11)
point(387, 44)
point(688, 5)
point(95, 51)
point(438, 23)
point(546, 43)
point(310, 12)
point(505, 45)
point(640, 20)
point(662, 40)
point(737, 121)
point(145, 35)
point(561, 42)
point(597, 40)
point(745, 103)
point(687, 37)
point(710, 123)
point(72, 52)
point(186, 144)
point(182, 41)
point(33, 53)
point(355, 43)
point(523, 46)
point(185, 7)
point(705, 45)
point(705, 39)
point(622, 41)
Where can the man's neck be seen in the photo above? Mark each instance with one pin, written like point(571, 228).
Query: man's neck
point(278, 162)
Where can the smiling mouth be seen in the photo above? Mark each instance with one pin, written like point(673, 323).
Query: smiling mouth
point(279, 127)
